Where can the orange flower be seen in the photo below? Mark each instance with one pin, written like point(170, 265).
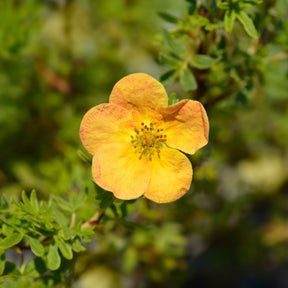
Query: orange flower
point(136, 138)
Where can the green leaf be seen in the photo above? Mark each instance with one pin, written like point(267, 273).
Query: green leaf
point(2, 261)
point(202, 61)
point(247, 24)
point(192, 6)
point(76, 201)
point(201, 21)
point(34, 200)
point(85, 156)
point(11, 269)
point(64, 249)
point(66, 232)
point(53, 259)
point(247, 3)
point(114, 210)
point(10, 241)
point(229, 20)
point(187, 79)
point(168, 61)
point(64, 205)
point(176, 47)
point(36, 246)
point(35, 268)
point(4, 202)
point(169, 76)
point(7, 230)
point(224, 5)
point(172, 99)
point(27, 204)
point(241, 99)
point(211, 26)
point(168, 17)
point(77, 246)
point(87, 233)
point(105, 198)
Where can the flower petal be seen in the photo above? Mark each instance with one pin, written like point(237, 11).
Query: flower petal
point(139, 91)
point(186, 126)
point(117, 168)
point(171, 176)
point(103, 124)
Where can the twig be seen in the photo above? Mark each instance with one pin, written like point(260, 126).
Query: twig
point(94, 220)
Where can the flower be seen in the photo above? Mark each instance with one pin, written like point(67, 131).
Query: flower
point(135, 140)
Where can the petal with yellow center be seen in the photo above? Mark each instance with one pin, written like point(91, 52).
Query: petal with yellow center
point(186, 126)
point(118, 169)
point(171, 176)
point(104, 124)
point(139, 91)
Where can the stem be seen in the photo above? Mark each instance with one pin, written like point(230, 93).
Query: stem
point(94, 220)
point(73, 218)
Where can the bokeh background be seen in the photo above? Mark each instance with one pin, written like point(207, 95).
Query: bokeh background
point(59, 58)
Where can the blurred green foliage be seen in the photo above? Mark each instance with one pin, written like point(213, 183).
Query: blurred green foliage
point(60, 58)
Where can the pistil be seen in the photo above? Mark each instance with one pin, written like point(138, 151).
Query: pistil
point(148, 140)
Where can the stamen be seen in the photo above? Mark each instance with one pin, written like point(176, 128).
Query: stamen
point(148, 140)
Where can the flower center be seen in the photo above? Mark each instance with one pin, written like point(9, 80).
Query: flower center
point(148, 140)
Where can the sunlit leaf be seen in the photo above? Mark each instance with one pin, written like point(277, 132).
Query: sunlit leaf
point(34, 200)
point(223, 5)
point(53, 259)
point(7, 229)
point(247, 3)
point(10, 241)
point(77, 246)
point(229, 20)
point(36, 246)
point(64, 249)
point(247, 24)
